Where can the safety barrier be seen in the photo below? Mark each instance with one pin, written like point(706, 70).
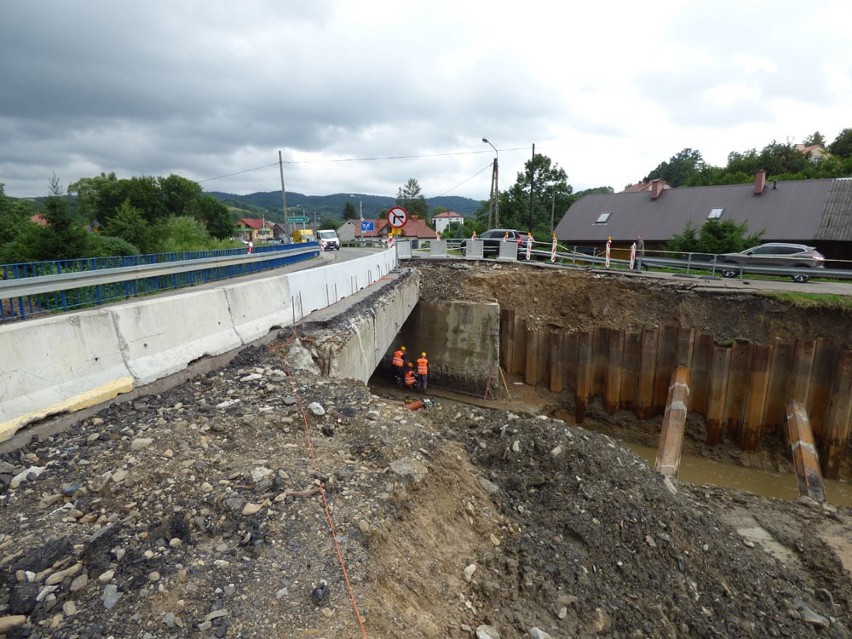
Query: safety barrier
point(741, 389)
point(72, 361)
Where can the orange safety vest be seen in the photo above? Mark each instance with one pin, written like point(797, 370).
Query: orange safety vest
point(398, 358)
point(410, 378)
point(422, 366)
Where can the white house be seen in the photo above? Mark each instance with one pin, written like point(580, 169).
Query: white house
point(443, 220)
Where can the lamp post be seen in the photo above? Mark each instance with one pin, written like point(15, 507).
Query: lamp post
point(495, 188)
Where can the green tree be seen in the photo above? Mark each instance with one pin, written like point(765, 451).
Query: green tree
point(550, 192)
point(183, 233)
point(14, 216)
point(814, 138)
point(842, 145)
point(98, 245)
point(128, 225)
point(412, 199)
point(680, 168)
point(214, 214)
point(714, 237)
point(349, 211)
point(179, 195)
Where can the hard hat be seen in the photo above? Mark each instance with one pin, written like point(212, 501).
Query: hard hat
point(402, 348)
point(423, 354)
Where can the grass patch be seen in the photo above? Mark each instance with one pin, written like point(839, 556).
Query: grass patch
point(813, 300)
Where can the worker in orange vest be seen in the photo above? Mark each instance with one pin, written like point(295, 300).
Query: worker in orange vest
point(398, 364)
point(410, 377)
point(422, 371)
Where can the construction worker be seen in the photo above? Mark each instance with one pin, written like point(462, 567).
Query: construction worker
point(410, 377)
point(423, 371)
point(398, 364)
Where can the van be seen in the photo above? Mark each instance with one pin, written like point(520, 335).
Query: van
point(328, 240)
point(303, 235)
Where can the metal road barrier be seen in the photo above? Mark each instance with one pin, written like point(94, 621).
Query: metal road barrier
point(684, 264)
point(82, 283)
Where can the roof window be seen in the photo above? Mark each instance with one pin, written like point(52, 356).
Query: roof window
point(603, 218)
point(715, 214)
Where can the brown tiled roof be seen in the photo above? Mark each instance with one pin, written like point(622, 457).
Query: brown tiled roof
point(804, 210)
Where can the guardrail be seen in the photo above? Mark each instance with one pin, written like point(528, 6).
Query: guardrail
point(24, 292)
point(692, 264)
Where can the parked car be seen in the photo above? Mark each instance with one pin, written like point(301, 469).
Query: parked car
point(328, 240)
point(491, 241)
point(778, 254)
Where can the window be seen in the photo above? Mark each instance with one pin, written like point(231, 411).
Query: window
point(603, 218)
point(715, 214)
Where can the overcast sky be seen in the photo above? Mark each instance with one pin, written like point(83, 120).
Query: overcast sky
point(361, 95)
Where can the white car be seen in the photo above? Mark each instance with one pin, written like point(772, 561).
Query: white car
point(328, 240)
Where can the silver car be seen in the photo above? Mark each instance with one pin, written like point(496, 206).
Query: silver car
point(779, 254)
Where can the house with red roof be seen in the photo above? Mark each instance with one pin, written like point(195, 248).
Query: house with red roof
point(443, 220)
point(379, 229)
point(253, 229)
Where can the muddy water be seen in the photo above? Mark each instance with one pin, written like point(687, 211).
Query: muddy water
point(697, 470)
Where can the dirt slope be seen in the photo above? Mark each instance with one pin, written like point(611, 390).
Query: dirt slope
point(195, 513)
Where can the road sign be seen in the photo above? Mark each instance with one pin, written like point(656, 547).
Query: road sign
point(397, 217)
point(367, 227)
point(298, 219)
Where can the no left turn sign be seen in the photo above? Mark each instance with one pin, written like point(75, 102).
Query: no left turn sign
point(397, 217)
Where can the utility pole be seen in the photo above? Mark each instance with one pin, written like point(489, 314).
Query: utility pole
point(494, 197)
point(284, 198)
point(532, 187)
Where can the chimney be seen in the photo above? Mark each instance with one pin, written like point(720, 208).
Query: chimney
point(657, 188)
point(759, 182)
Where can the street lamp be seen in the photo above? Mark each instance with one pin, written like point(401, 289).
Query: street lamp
point(495, 188)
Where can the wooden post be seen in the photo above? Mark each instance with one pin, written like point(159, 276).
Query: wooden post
point(531, 366)
point(716, 393)
point(737, 387)
point(632, 364)
point(839, 420)
point(670, 445)
point(685, 348)
point(664, 367)
point(825, 364)
point(507, 337)
point(614, 373)
point(805, 459)
point(584, 375)
point(570, 356)
point(800, 379)
point(645, 393)
point(600, 355)
point(780, 367)
point(758, 385)
point(702, 358)
point(557, 363)
point(519, 350)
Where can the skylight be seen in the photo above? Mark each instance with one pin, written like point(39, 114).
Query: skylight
point(715, 214)
point(603, 218)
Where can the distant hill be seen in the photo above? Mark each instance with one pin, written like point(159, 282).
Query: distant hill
point(325, 206)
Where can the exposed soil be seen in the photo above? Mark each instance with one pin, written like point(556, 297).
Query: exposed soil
point(200, 512)
point(576, 300)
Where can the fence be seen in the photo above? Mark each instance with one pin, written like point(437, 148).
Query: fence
point(742, 389)
point(36, 288)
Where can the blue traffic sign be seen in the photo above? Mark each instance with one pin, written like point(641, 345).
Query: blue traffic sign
point(367, 226)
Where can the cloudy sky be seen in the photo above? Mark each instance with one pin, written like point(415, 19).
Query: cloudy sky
point(359, 96)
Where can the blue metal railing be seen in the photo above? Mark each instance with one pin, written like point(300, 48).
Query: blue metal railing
point(188, 271)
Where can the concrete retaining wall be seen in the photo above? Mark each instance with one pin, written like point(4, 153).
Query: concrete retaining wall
point(69, 362)
point(461, 340)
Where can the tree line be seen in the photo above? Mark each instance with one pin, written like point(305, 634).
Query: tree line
point(106, 215)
